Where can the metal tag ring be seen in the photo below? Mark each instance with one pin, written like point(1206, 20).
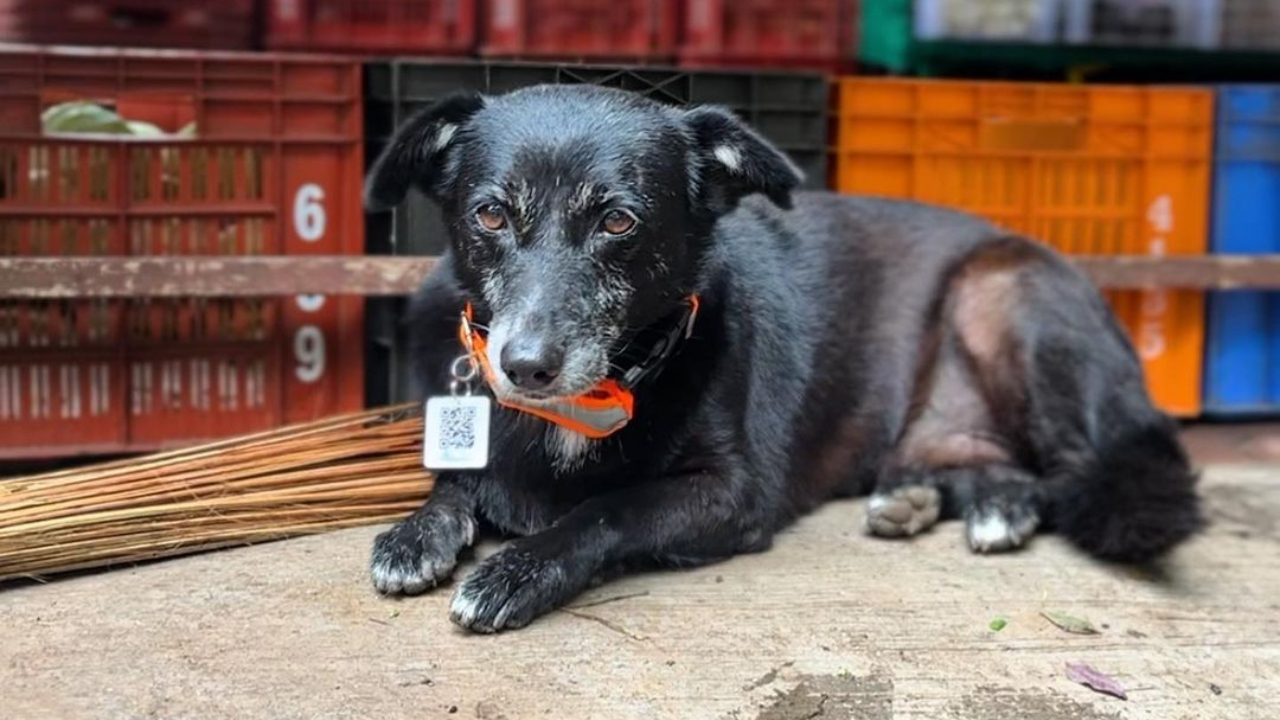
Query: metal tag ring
point(459, 389)
point(464, 369)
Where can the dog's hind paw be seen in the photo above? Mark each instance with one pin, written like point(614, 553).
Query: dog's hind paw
point(903, 511)
point(420, 552)
point(510, 589)
point(994, 526)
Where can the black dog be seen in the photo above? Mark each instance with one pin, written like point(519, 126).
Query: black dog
point(842, 346)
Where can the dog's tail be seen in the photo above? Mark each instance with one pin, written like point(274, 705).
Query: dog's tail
point(1136, 501)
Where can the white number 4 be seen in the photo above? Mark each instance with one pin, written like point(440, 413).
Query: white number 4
point(1160, 214)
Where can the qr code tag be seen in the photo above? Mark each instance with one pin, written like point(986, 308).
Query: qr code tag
point(457, 433)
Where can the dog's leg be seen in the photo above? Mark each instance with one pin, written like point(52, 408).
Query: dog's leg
point(1069, 434)
point(686, 520)
point(1001, 505)
point(421, 551)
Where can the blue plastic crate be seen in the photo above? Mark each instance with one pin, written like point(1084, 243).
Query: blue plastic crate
point(1242, 361)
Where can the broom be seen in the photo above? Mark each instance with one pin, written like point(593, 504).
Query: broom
point(337, 473)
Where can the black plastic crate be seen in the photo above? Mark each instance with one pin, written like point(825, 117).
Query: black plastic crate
point(788, 108)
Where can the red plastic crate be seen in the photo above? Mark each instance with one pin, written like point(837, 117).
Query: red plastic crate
point(634, 30)
point(770, 33)
point(52, 403)
point(204, 24)
point(274, 168)
point(435, 27)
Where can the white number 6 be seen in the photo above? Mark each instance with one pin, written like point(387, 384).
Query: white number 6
point(308, 350)
point(308, 213)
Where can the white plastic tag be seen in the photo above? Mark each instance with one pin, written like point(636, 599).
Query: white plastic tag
point(457, 432)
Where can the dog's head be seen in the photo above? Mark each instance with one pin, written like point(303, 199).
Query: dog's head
point(578, 215)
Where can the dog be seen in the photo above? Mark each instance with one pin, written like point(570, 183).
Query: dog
point(778, 348)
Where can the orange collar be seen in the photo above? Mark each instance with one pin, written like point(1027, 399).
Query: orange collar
point(607, 407)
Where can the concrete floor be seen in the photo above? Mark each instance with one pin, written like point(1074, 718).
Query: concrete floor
point(829, 624)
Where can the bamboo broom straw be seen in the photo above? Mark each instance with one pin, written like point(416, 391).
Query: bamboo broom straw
point(340, 472)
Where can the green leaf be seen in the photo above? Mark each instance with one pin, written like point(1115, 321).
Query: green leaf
point(998, 624)
point(1070, 623)
point(82, 117)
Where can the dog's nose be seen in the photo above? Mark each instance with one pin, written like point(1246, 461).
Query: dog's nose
point(531, 363)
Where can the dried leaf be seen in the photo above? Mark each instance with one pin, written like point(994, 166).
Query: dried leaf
point(1099, 682)
point(1071, 624)
point(998, 624)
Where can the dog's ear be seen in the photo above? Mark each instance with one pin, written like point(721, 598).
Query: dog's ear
point(417, 155)
point(734, 161)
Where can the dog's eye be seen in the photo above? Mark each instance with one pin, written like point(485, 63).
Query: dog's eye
point(618, 222)
point(491, 218)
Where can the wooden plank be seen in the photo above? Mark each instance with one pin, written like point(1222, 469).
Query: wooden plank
point(1203, 272)
point(52, 278)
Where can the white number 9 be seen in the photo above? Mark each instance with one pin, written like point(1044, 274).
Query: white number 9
point(308, 213)
point(308, 350)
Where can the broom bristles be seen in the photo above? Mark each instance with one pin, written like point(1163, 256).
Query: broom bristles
point(336, 473)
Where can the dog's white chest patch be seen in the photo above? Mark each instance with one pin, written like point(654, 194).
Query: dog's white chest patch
point(568, 449)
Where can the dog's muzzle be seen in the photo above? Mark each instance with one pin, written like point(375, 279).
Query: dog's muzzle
point(604, 409)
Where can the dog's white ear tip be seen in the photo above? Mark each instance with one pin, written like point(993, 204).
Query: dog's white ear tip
point(729, 156)
point(444, 136)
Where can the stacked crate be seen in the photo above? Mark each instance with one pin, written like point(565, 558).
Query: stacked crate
point(203, 24)
point(1242, 360)
point(438, 27)
point(634, 31)
point(1089, 170)
point(819, 34)
point(260, 154)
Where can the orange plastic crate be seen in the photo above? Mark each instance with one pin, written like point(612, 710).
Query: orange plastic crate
point(274, 168)
point(1089, 170)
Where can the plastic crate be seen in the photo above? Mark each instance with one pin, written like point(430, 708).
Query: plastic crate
point(818, 34)
point(191, 24)
point(1242, 360)
point(789, 108)
point(1251, 25)
point(621, 30)
point(1091, 171)
point(1033, 21)
point(274, 167)
point(425, 27)
point(1144, 23)
point(888, 42)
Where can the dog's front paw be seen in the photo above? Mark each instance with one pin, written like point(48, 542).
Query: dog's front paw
point(510, 589)
point(420, 551)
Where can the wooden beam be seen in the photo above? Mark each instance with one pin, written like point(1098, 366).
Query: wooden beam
point(54, 278)
point(1202, 272)
point(50, 278)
